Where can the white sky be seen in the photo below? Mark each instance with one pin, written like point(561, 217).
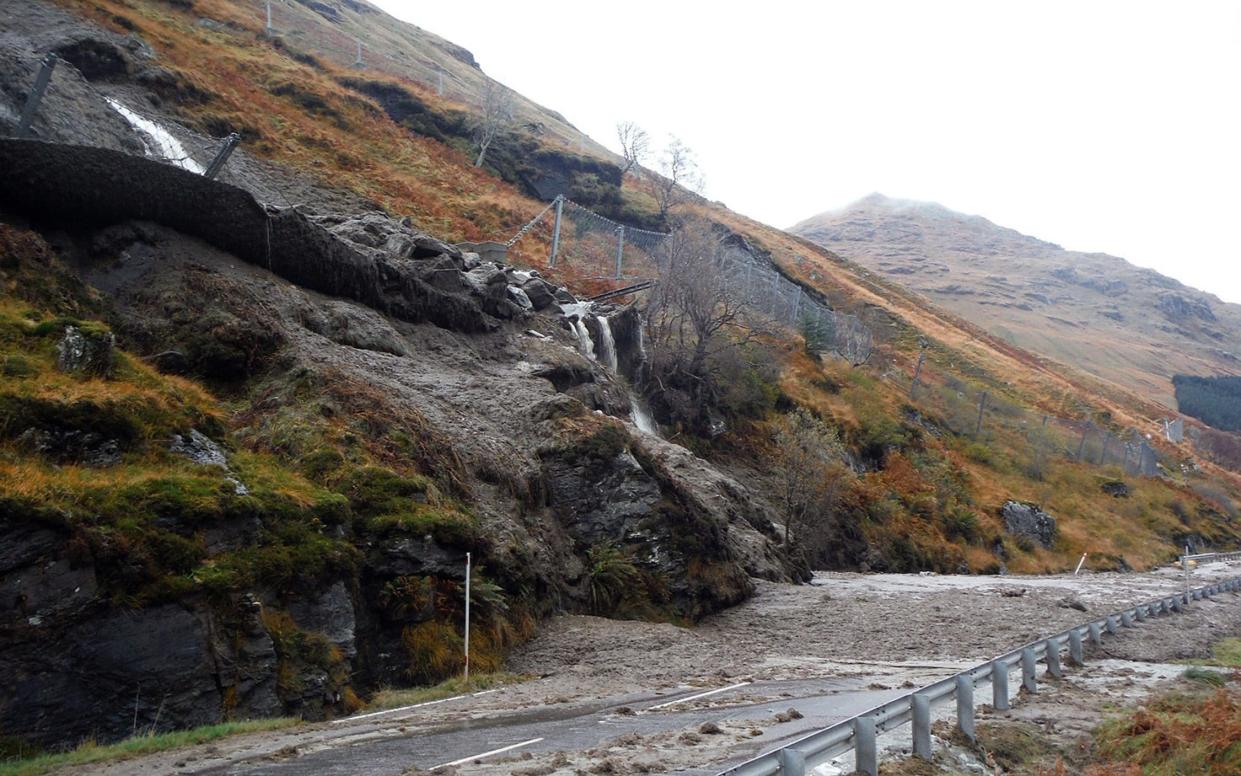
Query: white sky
point(1101, 126)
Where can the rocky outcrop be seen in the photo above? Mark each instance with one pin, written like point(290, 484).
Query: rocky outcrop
point(1177, 308)
point(86, 352)
point(1029, 522)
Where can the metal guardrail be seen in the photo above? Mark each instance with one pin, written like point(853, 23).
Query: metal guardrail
point(1207, 557)
point(859, 733)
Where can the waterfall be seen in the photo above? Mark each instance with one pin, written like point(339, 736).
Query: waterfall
point(584, 342)
point(641, 417)
point(607, 345)
point(166, 146)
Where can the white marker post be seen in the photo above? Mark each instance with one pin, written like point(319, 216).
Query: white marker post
point(1079, 564)
point(467, 617)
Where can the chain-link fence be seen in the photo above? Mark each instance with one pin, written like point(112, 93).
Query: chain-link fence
point(946, 403)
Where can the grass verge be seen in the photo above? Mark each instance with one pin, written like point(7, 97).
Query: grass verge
point(390, 698)
point(90, 752)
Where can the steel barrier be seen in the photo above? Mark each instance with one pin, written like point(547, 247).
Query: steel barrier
point(860, 733)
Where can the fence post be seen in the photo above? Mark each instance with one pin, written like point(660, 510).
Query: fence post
point(556, 231)
point(999, 685)
point(1076, 653)
point(792, 762)
point(982, 405)
point(222, 155)
point(796, 305)
point(1028, 678)
point(439, 82)
point(913, 386)
point(965, 706)
point(920, 706)
point(1096, 634)
point(1052, 648)
point(866, 755)
point(359, 62)
point(269, 19)
point(620, 249)
point(1111, 624)
point(1126, 620)
point(36, 95)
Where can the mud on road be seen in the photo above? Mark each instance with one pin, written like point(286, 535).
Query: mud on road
point(824, 650)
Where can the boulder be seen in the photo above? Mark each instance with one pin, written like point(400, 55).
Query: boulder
point(199, 448)
point(519, 298)
point(1022, 519)
point(86, 448)
point(541, 293)
point(86, 351)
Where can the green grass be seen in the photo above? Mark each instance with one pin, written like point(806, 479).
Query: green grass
point(390, 698)
point(91, 752)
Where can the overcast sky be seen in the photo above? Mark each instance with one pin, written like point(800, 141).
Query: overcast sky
point(1101, 126)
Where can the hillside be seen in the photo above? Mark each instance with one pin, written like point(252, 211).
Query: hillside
point(1127, 325)
point(272, 413)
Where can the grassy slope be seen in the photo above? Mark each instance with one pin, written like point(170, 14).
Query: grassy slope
point(325, 129)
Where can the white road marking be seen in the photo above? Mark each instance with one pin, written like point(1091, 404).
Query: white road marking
point(696, 697)
point(474, 757)
point(408, 708)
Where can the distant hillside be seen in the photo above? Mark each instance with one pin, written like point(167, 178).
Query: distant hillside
point(1129, 325)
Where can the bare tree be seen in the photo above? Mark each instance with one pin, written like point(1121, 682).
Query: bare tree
point(696, 320)
point(634, 143)
point(810, 469)
point(678, 175)
point(497, 116)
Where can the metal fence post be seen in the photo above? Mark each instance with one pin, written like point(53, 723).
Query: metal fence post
point(792, 762)
point(999, 685)
point(920, 714)
point(982, 406)
point(36, 94)
point(222, 155)
point(620, 249)
point(556, 231)
point(965, 706)
point(1028, 678)
point(866, 754)
point(1076, 653)
point(1052, 648)
point(359, 62)
point(913, 386)
point(269, 18)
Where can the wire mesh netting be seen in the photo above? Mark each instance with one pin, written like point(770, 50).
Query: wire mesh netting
point(966, 410)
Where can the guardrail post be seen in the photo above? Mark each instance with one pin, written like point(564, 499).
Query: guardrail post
point(1139, 613)
point(965, 706)
point(866, 754)
point(999, 685)
point(1075, 647)
point(1052, 648)
point(1177, 606)
point(1096, 634)
point(36, 95)
point(920, 705)
point(1028, 679)
point(556, 231)
point(792, 762)
point(1126, 620)
point(1111, 624)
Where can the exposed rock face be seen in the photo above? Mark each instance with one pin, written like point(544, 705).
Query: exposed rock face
point(86, 352)
point(1028, 521)
point(197, 447)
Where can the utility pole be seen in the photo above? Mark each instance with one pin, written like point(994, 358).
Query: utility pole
point(36, 95)
point(467, 617)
